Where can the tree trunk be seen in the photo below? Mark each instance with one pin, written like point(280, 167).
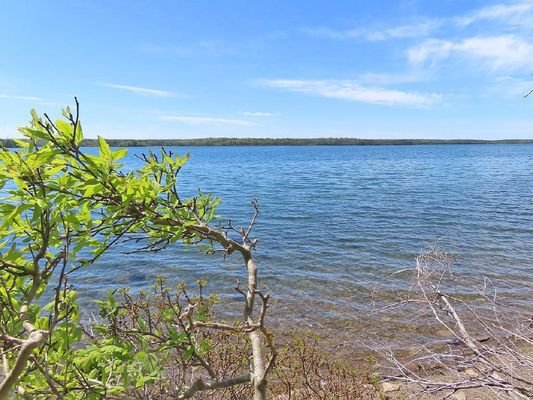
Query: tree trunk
point(258, 364)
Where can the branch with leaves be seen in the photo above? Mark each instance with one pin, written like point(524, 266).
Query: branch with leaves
point(63, 209)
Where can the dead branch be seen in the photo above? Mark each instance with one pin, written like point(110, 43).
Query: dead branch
point(200, 385)
point(495, 358)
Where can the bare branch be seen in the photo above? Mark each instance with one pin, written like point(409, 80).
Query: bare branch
point(495, 359)
point(200, 385)
point(36, 339)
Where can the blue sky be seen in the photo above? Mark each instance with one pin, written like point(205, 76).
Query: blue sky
point(182, 69)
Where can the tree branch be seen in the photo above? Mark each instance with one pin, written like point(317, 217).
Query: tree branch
point(200, 385)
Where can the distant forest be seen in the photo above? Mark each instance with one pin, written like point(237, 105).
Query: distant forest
point(281, 142)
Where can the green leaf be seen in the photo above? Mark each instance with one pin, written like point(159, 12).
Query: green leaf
point(105, 150)
point(65, 127)
point(22, 143)
point(187, 354)
point(119, 154)
point(34, 114)
point(92, 189)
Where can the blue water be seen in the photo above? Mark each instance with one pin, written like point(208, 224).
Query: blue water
point(336, 220)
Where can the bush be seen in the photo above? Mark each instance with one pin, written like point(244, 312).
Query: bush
point(63, 209)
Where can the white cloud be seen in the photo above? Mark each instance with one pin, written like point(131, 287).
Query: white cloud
point(352, 91)
point(198, 120)
point(257, 114)
point(496, 52)
point(510, 86)
point(385, 79)
point(15, 97)
point(405, 31)
point(429, 50)
point(329, 33)
point(513, 14)
point(398, 32)
point(140, 90)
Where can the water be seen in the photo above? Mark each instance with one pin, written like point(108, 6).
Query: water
point(335, 221)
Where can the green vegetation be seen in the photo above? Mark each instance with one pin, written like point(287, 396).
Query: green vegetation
point(11, 143)
point(62, 209)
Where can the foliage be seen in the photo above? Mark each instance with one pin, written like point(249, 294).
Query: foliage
point(163, 351)
point(152, 349)
point(151, 324)
point(305, 371)
point(62, 209)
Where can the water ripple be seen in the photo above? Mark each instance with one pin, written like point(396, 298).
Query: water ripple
point(335, 220)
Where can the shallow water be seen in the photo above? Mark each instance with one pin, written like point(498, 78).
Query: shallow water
point(335, 221)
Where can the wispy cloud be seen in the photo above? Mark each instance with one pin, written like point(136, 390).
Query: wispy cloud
point(325, 32)
point(515, 14)
point(393, 78)
point(397, 32)
point(257, 114)
point(520, 13)
point(496, 52)
point(405, 31)
point(352, 91)
point(510, 86)
point(203, 120)
point(140, 90)
point(429, 51)
point(16, 97)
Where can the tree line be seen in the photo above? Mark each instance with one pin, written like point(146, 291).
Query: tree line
point(226, 141)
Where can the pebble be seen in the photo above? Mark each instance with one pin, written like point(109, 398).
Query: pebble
point(459, 395)
point(390, 387)
point(443, 332)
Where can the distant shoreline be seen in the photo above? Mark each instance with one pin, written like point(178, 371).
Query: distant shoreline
point(282, 142)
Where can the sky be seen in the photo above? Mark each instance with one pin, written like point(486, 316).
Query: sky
point(302, 68)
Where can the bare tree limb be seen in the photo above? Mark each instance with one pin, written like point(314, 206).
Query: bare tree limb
point(200, 385)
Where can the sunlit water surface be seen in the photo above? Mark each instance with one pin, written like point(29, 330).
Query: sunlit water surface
point(336, 221)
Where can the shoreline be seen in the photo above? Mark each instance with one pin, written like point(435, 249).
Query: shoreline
point(228, 141)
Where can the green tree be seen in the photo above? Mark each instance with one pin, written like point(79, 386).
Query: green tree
point(62, 209)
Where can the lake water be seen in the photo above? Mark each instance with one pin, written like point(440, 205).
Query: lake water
point(335, 221)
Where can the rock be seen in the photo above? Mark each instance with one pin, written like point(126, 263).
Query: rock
point(459, 395)
point(443, 332)
point(515, 396)
point(496, 375)
point(412, 351)
point(472, 372)
point(413, 366)
point(390, 386)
